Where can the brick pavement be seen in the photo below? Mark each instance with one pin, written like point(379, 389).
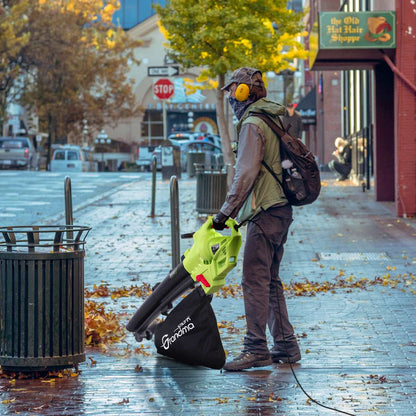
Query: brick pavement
point(358, 345)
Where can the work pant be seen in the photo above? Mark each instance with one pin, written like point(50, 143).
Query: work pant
point(262, 288)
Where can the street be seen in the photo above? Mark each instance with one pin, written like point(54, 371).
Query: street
point(27, 198)
point(349, 273)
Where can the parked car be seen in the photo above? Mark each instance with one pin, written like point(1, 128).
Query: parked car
point(70, 158)
point(180, 139)
point(213, 153)
point(212, 138)
point(18, 152)
point(209, 143)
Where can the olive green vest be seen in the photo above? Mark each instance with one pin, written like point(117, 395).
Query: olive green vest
point(267, 191)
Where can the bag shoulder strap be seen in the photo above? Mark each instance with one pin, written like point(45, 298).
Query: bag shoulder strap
point(279, 132)
point(272, 172)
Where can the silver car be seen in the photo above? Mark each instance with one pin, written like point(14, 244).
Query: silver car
point(70, 158)
point(18, 152)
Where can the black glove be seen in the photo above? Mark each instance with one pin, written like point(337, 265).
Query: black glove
point(218, 222)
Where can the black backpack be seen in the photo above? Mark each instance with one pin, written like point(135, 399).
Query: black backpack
point(301, 181)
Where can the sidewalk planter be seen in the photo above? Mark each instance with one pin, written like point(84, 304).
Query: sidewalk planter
point(211, 189)
point(192, 158)
point(42, 297)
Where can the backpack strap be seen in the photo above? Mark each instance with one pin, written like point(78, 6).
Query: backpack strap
point(279, 132)
point(272, 172)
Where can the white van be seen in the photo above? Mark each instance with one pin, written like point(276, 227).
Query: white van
point(70, 158)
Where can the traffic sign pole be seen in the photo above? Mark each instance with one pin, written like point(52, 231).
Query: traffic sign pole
point(164, 89)
point(165, 127)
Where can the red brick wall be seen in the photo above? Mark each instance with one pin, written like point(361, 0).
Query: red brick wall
point(405, 110)
point(329, 115)
point(332, 114)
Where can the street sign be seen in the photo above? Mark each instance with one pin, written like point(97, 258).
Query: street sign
point(163, 88)
point(162, 71)
point(168, 60)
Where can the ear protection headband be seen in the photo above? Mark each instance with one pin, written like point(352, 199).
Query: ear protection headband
point(242, 91)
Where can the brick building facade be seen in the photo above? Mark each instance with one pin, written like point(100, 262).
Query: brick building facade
point(369, 97)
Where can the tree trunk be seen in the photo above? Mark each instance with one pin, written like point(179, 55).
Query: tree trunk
point(51, 139)
point(3, 106)
point(227, 151)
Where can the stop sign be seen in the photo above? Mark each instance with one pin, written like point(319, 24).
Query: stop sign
point(163, 88)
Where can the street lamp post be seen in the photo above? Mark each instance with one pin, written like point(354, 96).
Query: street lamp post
point(85, 131)
point(102, 139)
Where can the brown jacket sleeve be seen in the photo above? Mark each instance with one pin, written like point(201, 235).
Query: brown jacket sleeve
point(250, 154)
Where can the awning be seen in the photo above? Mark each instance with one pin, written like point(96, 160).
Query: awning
point(307, 107)
point(351, 40)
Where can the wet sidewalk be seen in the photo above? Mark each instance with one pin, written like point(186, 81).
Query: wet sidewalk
point(350, 273)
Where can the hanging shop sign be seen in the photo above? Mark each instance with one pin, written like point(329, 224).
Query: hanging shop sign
point(365, 30)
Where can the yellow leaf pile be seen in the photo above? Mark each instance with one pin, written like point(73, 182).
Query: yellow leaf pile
point(103, 290)
point(232, 291)
point(310, 288)
point(102, 327)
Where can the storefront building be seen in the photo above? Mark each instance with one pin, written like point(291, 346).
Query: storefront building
point(363, 63)
point(184, 111)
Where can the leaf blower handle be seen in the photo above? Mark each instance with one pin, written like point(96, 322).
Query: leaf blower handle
point(219, 221)
point(233, 225)
point(230, 223)
point(187, 235)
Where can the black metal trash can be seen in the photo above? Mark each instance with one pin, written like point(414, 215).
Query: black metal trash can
point(112, 165)
point(42, 297)
point(171, 162)
point(101, 166)
point(211, 189)
point(192, 158)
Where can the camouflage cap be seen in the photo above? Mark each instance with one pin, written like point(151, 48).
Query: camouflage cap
point(245, 75)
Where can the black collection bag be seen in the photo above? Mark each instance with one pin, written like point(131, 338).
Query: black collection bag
point(189, 333)
point(301, 179)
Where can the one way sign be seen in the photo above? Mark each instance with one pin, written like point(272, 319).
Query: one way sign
point(162, 71)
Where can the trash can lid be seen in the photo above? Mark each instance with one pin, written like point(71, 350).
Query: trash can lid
point(41, 238)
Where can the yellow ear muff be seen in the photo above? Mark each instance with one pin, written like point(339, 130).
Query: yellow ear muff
point(242, 92)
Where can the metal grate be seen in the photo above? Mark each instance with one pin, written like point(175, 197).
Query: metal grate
point(354, 256)
point(35, 238)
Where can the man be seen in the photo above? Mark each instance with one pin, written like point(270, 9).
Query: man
point(342, 165)
point(293, 118)
point(257, 198)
